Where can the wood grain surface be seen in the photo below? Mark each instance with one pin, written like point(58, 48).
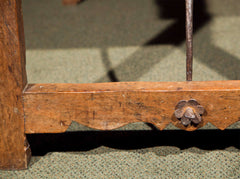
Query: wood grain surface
point(50, 108)
point(14, 148)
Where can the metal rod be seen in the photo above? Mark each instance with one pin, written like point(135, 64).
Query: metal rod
point(189, 39)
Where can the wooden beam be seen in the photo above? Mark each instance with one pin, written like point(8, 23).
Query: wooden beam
point(50, 108)
point(14, 149)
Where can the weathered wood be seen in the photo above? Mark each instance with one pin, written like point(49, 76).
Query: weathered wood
point(50, 108)
point(14, 149)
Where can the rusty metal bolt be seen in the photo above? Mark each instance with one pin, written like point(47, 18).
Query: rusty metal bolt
point(189, 112)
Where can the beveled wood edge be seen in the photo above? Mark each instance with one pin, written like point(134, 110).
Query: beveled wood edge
point(160, 87)
point(40, 88)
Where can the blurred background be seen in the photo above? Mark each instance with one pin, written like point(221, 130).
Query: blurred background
point(144, 40)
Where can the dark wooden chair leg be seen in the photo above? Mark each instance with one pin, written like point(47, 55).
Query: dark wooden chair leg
point(14, 148)
point(71, 2)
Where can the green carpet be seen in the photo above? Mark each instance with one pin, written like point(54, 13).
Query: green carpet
point(137, 40)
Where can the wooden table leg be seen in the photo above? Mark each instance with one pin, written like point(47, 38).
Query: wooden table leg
point(14, 148)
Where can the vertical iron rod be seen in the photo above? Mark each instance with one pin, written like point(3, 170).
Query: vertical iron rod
point(189, 39)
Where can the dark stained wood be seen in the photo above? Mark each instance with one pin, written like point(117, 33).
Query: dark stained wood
point(50, 108)
point(14, 148)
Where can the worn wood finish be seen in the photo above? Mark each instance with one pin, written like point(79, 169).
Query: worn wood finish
point(14, 149)
point(50, 108)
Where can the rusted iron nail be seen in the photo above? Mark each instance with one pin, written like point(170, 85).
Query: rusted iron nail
point(189, 112)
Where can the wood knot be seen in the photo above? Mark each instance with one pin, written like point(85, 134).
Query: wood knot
point(189, 112)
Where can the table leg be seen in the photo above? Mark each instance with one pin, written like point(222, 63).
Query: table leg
point(14, 148)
